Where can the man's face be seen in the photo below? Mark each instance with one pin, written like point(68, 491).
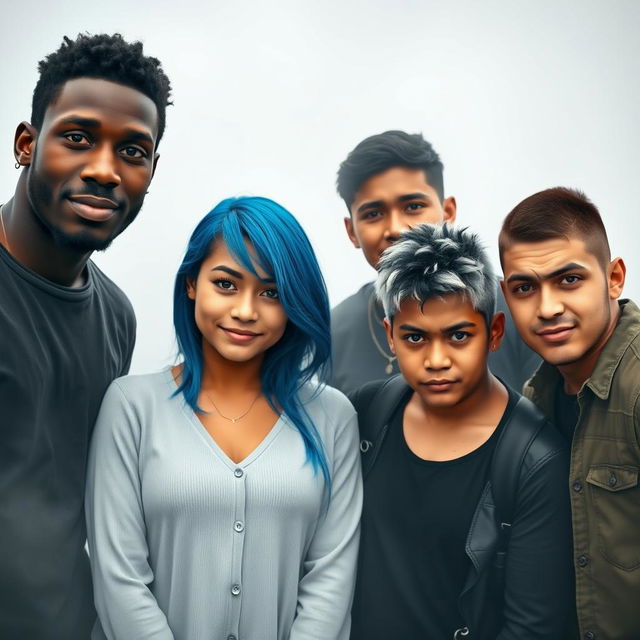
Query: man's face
point(93, 160)
point(442, 348)
point(389, 203)
point(560, 296)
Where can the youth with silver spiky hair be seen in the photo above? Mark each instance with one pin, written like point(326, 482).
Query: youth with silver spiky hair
point(430, 438)
point(431, 260)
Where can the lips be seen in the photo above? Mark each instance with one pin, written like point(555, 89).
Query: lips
point(241, 336)
point(555, 335)
point(439, 385)
point(93, 208)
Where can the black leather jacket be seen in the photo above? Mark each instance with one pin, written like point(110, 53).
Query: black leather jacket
point(529, 598)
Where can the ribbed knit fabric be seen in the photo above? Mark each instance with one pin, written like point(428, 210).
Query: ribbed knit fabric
point(187, 544)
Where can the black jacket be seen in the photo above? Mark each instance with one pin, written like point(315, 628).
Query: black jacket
point(529, 598)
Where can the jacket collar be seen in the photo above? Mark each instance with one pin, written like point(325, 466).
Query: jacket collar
point(547, 377)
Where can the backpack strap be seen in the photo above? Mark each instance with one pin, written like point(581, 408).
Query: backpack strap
point(374, 418)
point(521, 429)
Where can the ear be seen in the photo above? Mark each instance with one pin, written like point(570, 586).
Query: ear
point(388, 329)
point(191, 289)
point(616, 273)
point(450, 209)
point(24, 143)
point(496, 331)
point(348, 225)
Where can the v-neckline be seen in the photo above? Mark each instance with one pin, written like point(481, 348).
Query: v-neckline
point(211, 441)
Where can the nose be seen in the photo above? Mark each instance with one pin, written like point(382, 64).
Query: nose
point(101, 167)
point(437, 357)
point(549, 305)
point(395, 226)
point(244, 308)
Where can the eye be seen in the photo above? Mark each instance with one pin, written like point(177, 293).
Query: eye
point(272, 294)
point(77, 138)
point(371, 214)
point(570, 279)
point(134, 152)
point(523, 289)
point(413, 338)
point(225, 285)
point(460, 336)
point(415, 206)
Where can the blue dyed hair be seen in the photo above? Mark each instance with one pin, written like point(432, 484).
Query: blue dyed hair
point(283, 251)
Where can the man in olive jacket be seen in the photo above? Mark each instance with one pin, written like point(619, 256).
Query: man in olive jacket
point(562, 289)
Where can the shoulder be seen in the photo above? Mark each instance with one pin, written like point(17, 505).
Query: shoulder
point(140, 391)
point(323, 400)
point(109, 291)
point(547, 445)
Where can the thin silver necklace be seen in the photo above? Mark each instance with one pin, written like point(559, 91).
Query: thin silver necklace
point(4, 231)
point(390, 358)
point(238, 418)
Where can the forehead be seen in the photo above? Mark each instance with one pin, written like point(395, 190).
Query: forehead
point(394, 182)
point(221, 255)
point(110, 103)
point(437, 313)
point(546, 256)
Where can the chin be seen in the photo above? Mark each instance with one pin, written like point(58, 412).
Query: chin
point(561, 357)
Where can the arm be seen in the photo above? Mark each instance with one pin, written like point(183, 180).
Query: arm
point(538, 571)
point(116, 528)
point(325, 590)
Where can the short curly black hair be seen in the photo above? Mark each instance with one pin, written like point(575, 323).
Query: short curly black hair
point(109, 57)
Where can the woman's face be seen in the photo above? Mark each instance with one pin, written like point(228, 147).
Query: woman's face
point(238, 314)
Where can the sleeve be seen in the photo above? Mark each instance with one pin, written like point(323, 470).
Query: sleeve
point(325, 590)
point(538, 574)
point(131, 343)
point(116, 529)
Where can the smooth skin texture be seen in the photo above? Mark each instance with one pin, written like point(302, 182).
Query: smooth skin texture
point(240, 317)
point(563, 302)
point(442, 350)
point(389, 203)
point(87, 171)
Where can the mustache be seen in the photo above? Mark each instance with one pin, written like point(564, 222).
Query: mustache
point(561, 321)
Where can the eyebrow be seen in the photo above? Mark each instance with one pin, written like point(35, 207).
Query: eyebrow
point(418, 195)
point(229, 270)
point(450, 329)
point(525, 277)
point(93, 123)
point(237, 274)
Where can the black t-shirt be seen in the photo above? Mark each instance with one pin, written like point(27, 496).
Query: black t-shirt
point(567, 412)
point(59, 349)
point(415, 521)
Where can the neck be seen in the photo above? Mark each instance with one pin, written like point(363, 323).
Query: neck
point(227, 376)
point(33, 245)
point(576, 373)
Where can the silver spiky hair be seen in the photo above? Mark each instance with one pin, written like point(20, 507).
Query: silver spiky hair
point(436, 260)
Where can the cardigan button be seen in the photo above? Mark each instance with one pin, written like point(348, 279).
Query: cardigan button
point(238, 473)
point(235, 590)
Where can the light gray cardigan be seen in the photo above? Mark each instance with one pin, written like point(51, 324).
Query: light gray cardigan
point(185, 544)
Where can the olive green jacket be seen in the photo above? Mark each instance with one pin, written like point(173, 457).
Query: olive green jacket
point(603, 482)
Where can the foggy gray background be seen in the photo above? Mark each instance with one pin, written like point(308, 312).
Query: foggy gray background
point(271, 96)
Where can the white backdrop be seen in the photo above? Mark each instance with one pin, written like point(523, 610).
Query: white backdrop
point(270, 97)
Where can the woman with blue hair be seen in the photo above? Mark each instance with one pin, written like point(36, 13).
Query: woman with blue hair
point(224, 494)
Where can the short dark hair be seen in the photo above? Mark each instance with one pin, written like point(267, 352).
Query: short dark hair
point(433, 261)
point(559, 212)
point(108, 57)
point(383, 151)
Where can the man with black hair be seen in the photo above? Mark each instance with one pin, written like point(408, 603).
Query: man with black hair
point(86, 160)
point(390, 182)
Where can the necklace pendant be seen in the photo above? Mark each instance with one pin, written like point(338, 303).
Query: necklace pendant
point(234, 420)
point(389, 369)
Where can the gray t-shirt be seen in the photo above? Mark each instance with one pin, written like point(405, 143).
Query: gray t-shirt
point(186, 543)
point(357, 359)
point(59, 349)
